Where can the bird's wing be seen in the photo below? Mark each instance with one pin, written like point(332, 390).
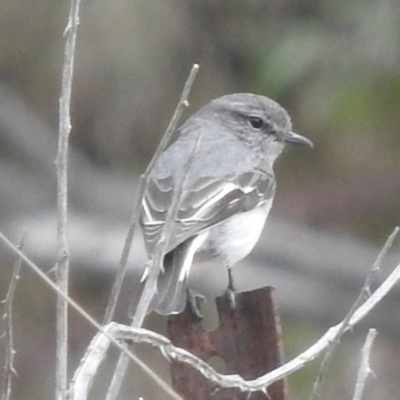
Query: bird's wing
point(204, 203)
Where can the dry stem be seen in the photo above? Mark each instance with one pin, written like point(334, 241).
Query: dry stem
point(116, 289)
point(150, 284)
point(87, 316)
point(169, 351)
point(62, 264)
point(365, 368)
point(9, 370)
point(365, 292)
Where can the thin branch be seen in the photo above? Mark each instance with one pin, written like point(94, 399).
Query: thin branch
point(9, 370)
point(365, 292)
point(227, 381)
point(170, 352)
point(95, 355)
point(116, 289)
point(150, 285)
point(88, 317)
point(156, 266)
point(62, 264)
point(365, 368)
point(315, 350)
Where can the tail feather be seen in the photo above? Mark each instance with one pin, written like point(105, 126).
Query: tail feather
point(170, 297)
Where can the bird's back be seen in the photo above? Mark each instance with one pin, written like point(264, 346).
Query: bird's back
point(219, 160)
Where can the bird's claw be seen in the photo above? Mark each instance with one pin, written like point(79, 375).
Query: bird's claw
point(230, 294)
point(230, 290)
point(196, 302)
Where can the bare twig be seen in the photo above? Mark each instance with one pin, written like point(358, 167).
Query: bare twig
point(365, 368)
point(156, 266)
point(227, 381)
point(365, 292)
point(170, 352)
point(320, 346)
point(261, 383)
point(9, 370)
point(97, 351)
point(150, 284)
point(88, 317)
point(116, 289)
point(62, 264)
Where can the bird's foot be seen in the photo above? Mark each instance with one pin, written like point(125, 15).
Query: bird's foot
point(230, 290)
point(196, 302)
point(230, 294)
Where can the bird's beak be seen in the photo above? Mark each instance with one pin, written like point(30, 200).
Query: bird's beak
point(292, 137)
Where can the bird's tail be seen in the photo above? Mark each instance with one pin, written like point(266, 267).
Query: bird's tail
point(170, 296)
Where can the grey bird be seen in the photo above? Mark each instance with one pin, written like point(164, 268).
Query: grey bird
point(227, 193)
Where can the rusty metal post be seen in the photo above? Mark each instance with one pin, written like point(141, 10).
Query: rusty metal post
point(248, 339)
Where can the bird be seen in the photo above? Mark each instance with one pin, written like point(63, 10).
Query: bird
point(223, 158)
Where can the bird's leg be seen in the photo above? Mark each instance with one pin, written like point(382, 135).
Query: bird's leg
point(195, 301)
point(230, 290)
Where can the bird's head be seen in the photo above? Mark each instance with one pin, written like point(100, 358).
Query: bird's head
point(257, 120)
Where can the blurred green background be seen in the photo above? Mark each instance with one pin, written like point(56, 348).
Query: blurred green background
point(334, 65)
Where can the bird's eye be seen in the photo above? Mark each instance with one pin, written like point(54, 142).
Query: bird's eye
point(256, 122)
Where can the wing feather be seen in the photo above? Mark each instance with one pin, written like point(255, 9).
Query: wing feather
point(206, 202)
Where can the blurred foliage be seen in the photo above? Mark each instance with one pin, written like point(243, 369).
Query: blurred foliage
point(298, 336)
point(339, 73)
point(334, 65)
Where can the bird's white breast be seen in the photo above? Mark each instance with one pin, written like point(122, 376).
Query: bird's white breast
point(234, 239)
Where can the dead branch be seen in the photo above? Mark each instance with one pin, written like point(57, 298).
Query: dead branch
point(169, 351)
point(9, 370)
point(365, 370)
